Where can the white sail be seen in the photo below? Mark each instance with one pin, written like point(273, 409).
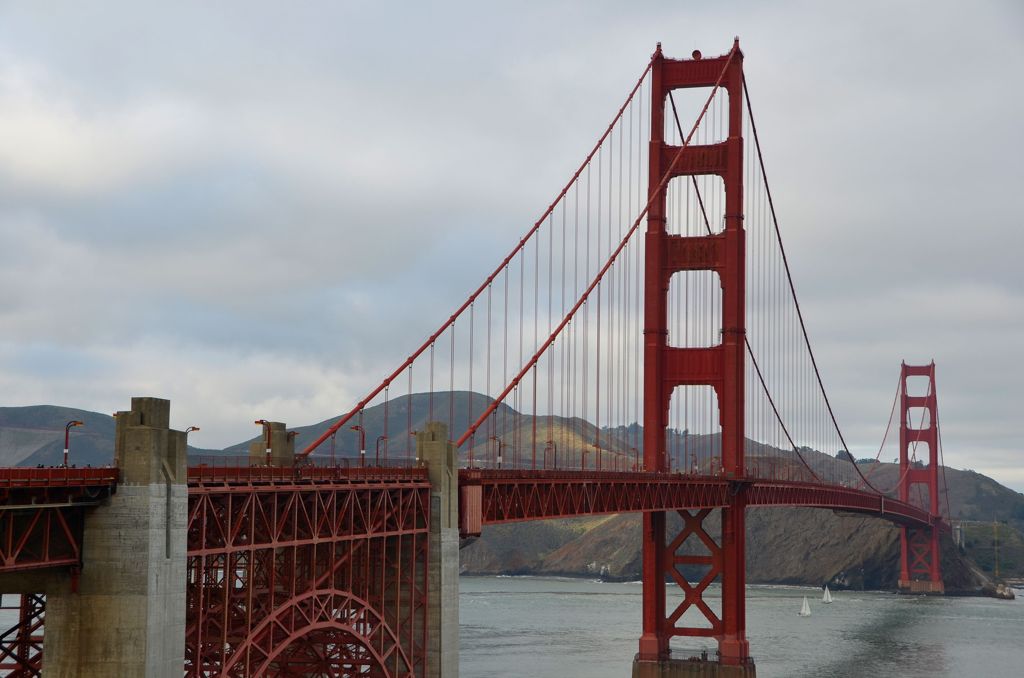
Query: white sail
point(805, 609)
point(827, 598)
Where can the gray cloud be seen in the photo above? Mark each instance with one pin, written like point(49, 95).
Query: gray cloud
point(257, 210)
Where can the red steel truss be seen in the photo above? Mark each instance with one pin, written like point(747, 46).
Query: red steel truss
point(919, 547)
point(488, 497)
point(21, 646)
point(294, 577)
point(55, 484)
point(49, 536)
point(41, 514)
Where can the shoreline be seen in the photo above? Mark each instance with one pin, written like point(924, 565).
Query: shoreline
point(598, 578)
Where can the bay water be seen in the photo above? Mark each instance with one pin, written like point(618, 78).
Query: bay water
point(519, 627)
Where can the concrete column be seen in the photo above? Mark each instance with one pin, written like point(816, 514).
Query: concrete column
point(437, 453)
point(282, 446)
point(127, 617)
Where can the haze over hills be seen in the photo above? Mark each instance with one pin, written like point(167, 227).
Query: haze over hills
point(785, 545)
point(34, 435)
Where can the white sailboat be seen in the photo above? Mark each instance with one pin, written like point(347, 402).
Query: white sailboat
point(827, 598)
point(805, 609)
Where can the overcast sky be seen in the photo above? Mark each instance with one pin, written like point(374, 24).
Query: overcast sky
point(224, 203)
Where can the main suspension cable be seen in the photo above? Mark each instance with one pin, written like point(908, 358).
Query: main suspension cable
point(746, 341)
point(792, 287)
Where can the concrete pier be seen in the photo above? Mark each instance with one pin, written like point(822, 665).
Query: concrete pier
point(691, 668)
point(437, 453)
point(922, 587)
point(127, 617)
point(281, 446)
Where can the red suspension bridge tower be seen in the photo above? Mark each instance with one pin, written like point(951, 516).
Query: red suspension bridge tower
point(919, 561)
point(721, 367)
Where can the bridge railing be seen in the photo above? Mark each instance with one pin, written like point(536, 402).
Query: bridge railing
point(56, 476)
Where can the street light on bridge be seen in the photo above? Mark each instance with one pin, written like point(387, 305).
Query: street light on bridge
point(190, 429)
point(500, 444)
point(379, 440)
point(551, 444)
point(362, 443)
point(67, 436)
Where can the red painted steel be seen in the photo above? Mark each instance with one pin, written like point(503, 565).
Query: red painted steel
point(21, 646)
point(41, 514)
point(290, 573)
point(212, 474)
point(40, 538)
point(721, 367)
point(919, 547)
point(55, 483)
point(513, 496)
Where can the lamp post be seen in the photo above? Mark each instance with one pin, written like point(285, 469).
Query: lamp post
point(266, 434)
point(362, 443)
point(67, 436)
point(498, 441)
point(554, 446)
point(636, 459)
point(189, 430)
point(385, 440)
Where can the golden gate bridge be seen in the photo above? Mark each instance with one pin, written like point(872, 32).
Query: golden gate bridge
point(640, 349)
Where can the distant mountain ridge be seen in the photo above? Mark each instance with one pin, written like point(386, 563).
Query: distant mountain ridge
point(34, 435)
point(786, 545)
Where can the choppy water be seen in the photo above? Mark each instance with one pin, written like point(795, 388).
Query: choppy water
point(566, 628)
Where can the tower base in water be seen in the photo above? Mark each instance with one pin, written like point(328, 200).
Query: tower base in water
point(931, 588)
point(692, 668)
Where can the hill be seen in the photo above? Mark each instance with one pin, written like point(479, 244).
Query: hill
point(400, 417)
point(785, 545)
point(34, 435)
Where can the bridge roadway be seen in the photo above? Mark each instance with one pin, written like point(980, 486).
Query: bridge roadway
point(40, 507)
point(489, 497)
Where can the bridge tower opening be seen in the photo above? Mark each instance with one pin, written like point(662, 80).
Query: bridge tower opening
point(720, 366)
point(919, 547)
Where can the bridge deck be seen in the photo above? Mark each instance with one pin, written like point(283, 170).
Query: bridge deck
point(41, 514)
point(50, 482)
point(503, 496)
point(35, 502)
